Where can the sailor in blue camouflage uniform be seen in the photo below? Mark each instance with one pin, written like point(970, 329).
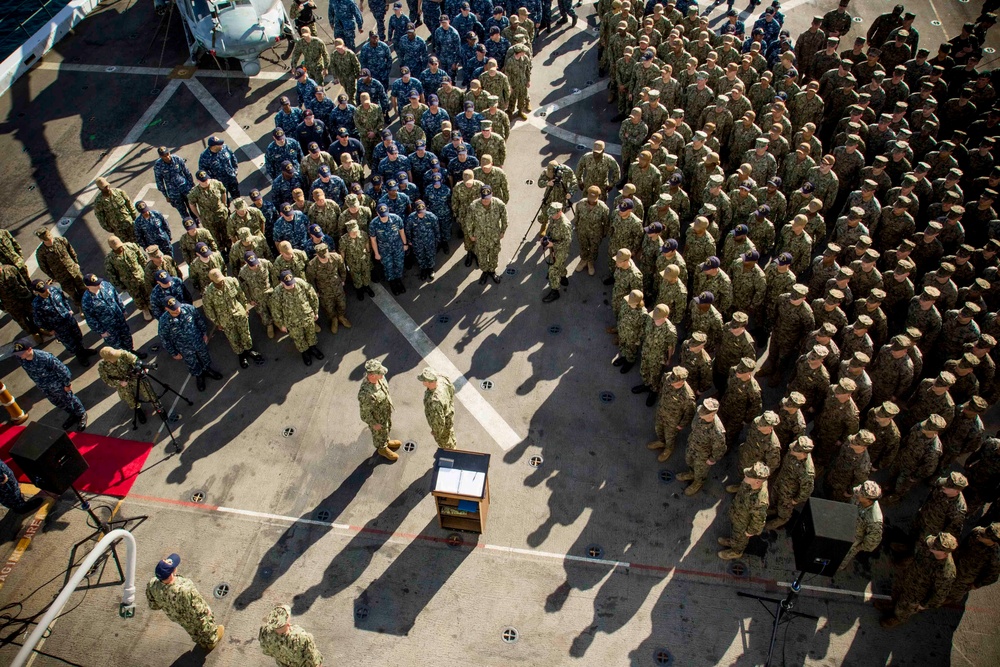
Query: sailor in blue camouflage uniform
point(333, 186)
point(394, 162)
point(376, 57)
point(287, 180)
point(450, 151)
point(466, 124)
point(464, 21)
point(498, 19)
point(53, 311)
point(10, 493)
point(432, 77)
point(423, 231)
point(431, 11)
point(412, 51)
point(316, 237)
point(270, 212)
point(292, 226)
point(105, 314)
point(151, 228)
point(321, 106)
point(376, 91)
point(342, 116)
point(402, 87)
point(305, 87)
point(431, 119)
point(420, 162)
point(381, 150)
point(437, 196)
point(184, 335)
point(497, 48)
point(388, 239)
point(463, 162)
point(54, 379)
point(288, 117)
point(397, 202)
point(406, 187)
point(379, 9)
point(447, 44)
point(221, 164)
point(166, 287)
point(282, 149)
point(173, 180)
point(397, 25)
point(344, 15)
point(769, 25)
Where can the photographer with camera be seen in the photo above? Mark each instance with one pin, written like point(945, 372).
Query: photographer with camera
point(121, 370)
point(559, 182)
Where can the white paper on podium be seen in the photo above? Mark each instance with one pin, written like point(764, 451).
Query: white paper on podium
point(448, 480)
point(471, 483)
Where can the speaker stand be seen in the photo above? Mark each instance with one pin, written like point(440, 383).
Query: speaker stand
point(782, 611)
point(101, 529)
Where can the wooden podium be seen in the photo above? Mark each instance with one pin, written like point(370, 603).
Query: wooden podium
point(461, 488)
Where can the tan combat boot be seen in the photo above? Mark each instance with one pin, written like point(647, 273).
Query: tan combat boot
point(394, 444)
point(665, 454)
point(656, 444)
point(729, 554)
point(775, 523)
point(732, 488)
point(387, 453)
point(590, 268)
point(344, 322)
point(694, 488)
point(146, 315)
point(318, 327)
point(685, 476)
point(333, 326)
point(270, 331)
point(219, 631)
point(725, 542)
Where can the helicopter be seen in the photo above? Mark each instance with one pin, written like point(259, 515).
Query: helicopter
point(240, 29)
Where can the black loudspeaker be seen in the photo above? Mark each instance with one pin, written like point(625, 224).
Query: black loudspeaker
point(823, 535)
point(48, 457)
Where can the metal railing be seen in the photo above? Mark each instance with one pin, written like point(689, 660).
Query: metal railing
point(23, 19)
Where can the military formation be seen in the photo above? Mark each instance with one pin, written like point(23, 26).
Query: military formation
point(812, 215)
point(817, 215)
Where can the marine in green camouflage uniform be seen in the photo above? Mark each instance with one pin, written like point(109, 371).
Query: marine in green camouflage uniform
point(794, 482)
point(226, 305)
point(356, 251)
point(658, 343)
point(559, 181)
point(924, 585)
point(868, 526)
point(559, 235)
point(439, 407)
point(850, 467)
point(295, 309)
point(327, 273)
point(748, 513)
point(57, 259)
point(259, 279)
point(977, 561)
point(591, 217)
point(117, 370)
point(289, 645)
point(631, 329)
point(125, 268)
point(115, 212)
point(674, 411)
point(706, 445)
point(741, 401)
point(376, 409)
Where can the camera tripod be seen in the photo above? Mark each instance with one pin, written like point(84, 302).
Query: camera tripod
point(783, 612)
point(144, 380)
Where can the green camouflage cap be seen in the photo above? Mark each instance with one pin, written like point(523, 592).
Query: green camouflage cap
point(375, 366)
point(428, 375)
point(279, 617)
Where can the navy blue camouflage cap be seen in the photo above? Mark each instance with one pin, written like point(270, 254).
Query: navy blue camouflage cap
point(166, 566)
point(705, 298)
point(173, 304)
point(485, 192)
point(401, 177)
point(324, 170)
point(255, 194)
point(21, 346)
point(287, 277)
point(376, 180)
point(751, 256)
point(676, 179)
point(343, 133)
point(162, 277)
point(669, 246)
point(189, 223)
point(286, 208)
point(763, 211)
point(313, 147)
point(711, 263)
point(288, 166)
point(421, 144)
point(202, 249)
point(495, 30)
point(383, 210)
point(497, 9)
point(278, 133)
point(626, 205)
point(456, 135)
point(436, 178)
point(480, 48)
point(216, 141)
point(740, 230)
point(392, 150)
point(251, 258)
point(785, 259)
point(163, 150)
point(315, 230)
point(435, 162)
point(39, 285)
point(91, 280)
point(202, 175)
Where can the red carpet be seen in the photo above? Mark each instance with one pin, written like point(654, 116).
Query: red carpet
point(114, 463)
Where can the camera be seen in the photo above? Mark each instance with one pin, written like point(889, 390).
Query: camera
point(142, 367)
